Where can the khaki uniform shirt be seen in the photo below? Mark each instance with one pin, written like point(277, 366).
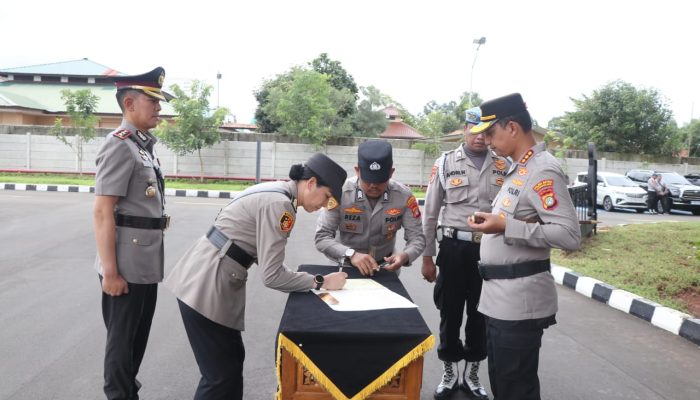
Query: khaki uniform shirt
point(458, 188)
point(260, 224)
point(126, 167)
point(367, 230)
point(534, 189)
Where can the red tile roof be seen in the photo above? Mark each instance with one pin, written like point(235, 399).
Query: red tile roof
point(400, 130)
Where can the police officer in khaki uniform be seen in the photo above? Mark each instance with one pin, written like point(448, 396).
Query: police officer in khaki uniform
point(210, 279)
point(129, 221)
point(463, 181)
point(532, 213)
point(372, 209)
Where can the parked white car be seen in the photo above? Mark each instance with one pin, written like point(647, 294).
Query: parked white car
point(616, 191)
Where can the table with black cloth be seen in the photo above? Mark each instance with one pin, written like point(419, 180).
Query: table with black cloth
point(350, 354)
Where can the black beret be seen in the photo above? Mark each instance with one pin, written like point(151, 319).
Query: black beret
point(332, 174)
point(149, 83)
point(375, 161)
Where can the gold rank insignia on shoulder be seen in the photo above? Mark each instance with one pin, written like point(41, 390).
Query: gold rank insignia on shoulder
point(286, 222)
point(526, 156)
point(455, 181)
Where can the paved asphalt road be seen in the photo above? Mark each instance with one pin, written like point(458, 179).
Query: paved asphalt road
point(52, 336)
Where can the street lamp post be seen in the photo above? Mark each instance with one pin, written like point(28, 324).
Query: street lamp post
point(218, 79)
point(478, 43)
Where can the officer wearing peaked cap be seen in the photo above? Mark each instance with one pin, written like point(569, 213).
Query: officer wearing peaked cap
point(129, 221)
point(209, 281)
point(361, 231)
point(532, 213)
point(462, 181)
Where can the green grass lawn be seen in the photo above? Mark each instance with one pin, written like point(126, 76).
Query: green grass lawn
point(657, 261)
point(89, 180)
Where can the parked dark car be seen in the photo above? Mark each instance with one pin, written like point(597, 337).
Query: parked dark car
point(683, 195)
point(693, 178)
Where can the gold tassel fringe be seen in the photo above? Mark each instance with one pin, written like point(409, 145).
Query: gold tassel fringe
point(322, 379)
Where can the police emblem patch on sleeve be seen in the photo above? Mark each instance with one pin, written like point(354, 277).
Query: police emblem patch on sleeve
point(412, 204)
point(286, 222)
point(545, 189)
point(122, 134)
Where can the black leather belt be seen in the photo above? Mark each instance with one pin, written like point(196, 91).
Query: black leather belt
point(511, 271)
point(219, 240)
point(131, 221)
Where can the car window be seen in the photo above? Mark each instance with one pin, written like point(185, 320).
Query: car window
point(672, 177)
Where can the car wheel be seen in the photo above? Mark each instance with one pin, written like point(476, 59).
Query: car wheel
point(696, 211)
point(639, 210)
point(607, 204)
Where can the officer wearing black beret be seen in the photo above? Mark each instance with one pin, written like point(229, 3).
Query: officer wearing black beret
point(372, 209)
point(532, 214)
point(209, 281)
point(129, 221)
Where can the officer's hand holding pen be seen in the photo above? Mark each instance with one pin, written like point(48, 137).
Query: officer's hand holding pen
point(364, 262)
point(334, 281)
point(486, 223)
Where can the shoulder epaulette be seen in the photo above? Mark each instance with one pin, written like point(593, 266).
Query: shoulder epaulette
point(122, 134)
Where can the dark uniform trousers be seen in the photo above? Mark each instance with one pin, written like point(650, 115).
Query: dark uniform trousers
point(219, 352)
point(459, 283)
point(514, 354)
point(128, 321)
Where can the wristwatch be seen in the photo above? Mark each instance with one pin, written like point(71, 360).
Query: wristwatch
point(318, 279)
point(348, 255)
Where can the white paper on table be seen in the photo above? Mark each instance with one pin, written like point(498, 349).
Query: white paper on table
point(363, 295)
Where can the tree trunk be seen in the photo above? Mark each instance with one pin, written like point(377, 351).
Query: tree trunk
point(201, 165)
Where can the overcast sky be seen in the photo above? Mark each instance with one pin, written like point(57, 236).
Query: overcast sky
point(414, 51)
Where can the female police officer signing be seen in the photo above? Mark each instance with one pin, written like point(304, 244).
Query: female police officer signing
point(209, 280)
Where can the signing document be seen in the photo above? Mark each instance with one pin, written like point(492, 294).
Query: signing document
point(363, 295)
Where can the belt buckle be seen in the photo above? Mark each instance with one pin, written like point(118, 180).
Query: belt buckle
point(167, 221)
point(449, 232)
point(476, 237)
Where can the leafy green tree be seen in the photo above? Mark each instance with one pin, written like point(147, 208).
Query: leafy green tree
point(375, 97)
point(195, 127)
point(620, 118)
point(432, 126)
point(467, 101)
point(80, 106)
point(369, 120)
point(261, 118)
point(338, 77)
point(308, 106)
point(688, 138)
